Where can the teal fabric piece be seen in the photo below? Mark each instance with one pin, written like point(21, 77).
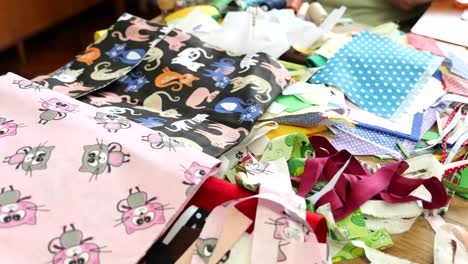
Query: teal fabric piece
point(377, 73)
point(316, 60)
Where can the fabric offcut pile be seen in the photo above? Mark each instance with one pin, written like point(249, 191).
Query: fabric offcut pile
point(163, 144)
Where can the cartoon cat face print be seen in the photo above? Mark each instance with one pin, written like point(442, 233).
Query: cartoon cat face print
point(30, 159)
point(195, 173)
point(55, 109)
point(7, 128)
point(71, 248)
point(161, 141)
point(140, 212)
point(284, 230)
point(99, 157)
point(111, 122)
point(16, 210)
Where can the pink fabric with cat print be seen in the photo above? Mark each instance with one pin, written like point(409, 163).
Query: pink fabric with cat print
point(88, 187)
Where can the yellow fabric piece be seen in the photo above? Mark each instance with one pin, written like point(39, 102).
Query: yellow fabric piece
point(332, 45)
point(285, 130)
point(99, 34)
point(209, 10)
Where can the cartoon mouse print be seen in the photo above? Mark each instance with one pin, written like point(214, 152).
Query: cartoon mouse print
point(286, 231)
point(8, 128)
point(193, 176)
point(55, 109)
point(30, 159)
point(72, 248)
point(16, 210)
point(204, 248)
point(161, 141)
point(111, 122)
point(195, 173)
point(27, 84)
point(99, 157)
point(140, 212)
point(69, 89)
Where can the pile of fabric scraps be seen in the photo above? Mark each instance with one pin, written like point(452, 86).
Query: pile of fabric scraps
point(265, 138)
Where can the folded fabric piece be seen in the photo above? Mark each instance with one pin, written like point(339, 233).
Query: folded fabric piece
point(371, 142)
point(408, 127)
point(424, 43)
point(457, 65)
point(377, 73)
point(420, 100)
point(87, 189)
point(178, 85)
point(455, 84)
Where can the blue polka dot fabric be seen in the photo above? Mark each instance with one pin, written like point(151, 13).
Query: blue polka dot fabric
point(377, 73)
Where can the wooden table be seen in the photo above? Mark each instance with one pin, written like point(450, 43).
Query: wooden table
point(417, 244)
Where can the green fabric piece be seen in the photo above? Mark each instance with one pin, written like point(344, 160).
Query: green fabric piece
point(290, 66)
point(457, 188)
point(294, 102)
point(349, 251)
point(430, 135)
point(316, 60)
point(295, 145)
point(296, 166)
point(464, 182)
point(231, 175)
point(353, 226)
point(379, 239)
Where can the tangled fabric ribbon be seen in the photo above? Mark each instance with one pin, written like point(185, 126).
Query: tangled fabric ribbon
point(356, 185)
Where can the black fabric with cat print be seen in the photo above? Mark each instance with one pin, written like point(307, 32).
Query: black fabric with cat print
point(174, 83)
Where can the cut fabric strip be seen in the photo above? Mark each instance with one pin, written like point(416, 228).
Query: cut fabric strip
point(457, 65)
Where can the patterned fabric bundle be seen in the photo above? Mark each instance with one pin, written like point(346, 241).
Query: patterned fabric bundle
point(174, 83)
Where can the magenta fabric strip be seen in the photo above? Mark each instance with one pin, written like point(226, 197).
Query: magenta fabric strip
point(356, 186)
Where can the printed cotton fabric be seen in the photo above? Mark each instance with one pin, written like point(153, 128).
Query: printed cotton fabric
point(376, 73)
point(174, 83)
point(82, 186)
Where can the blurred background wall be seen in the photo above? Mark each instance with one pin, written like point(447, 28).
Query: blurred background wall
point(38, 36)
